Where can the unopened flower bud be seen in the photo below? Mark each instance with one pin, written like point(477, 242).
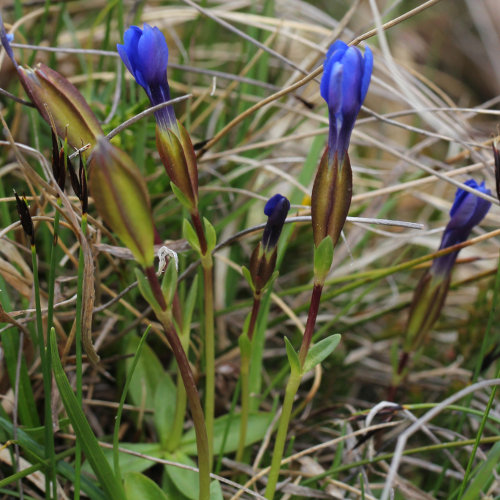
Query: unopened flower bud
point(466, 212)
point(263, 259)
point(61, 104)
point(345, 81)
point(122, 199)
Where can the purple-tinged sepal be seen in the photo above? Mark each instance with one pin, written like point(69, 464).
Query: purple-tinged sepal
point(121, 198)
point(428, 300)
point(61, 104)
point(179, 159)
point(263, 258)
point(25, 218)
point(58, 101)
point(331, 198)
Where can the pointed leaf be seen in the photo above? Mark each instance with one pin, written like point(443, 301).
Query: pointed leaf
point(210, 234)
point(138, 486)
point(293, 357)
point(215, 491)
point(188, 307)
point(190, 235)
point(90, 445)
point(320, 351)
point(258, 424)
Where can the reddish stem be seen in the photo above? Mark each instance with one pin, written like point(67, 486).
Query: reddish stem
point(253, 318)
point(198, 227)
point(311, 322)
point(156, 287)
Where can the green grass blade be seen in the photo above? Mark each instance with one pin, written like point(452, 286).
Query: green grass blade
point(90, 445)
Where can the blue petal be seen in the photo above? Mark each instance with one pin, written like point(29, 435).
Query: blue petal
point(351, 81)
point(338, 46)
point(152, 48)
point(271, 204)
point(367, 73)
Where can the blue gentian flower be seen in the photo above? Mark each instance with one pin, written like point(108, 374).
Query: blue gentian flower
point(466, 212)
point(145, 53)
point(276, 210)
point(346, 76)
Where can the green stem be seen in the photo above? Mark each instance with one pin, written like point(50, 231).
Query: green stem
point(209, 352)
point(78, 355)
point(493, 390)
point(202, 443)
point(311, 321)
point(245, 404)
point(279, 446)
point(245, 381)
point(47, 383)
point(48, 359)
point(175, 434)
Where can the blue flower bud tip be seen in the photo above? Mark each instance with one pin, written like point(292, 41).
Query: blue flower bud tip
point(468, 209)
point(145, 54)
point(466, 212)
point(275, 200)
point(345, 81)
point(276, 209)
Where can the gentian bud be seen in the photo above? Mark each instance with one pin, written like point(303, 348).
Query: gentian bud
point(122, 199)
point(58, 101)
point(263, 259)
point(466, 212)
point(25, 218)
point(276, 210)
point(145, 53)
point(346, 76)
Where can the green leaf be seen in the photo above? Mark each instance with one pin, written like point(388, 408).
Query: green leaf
point(131, 463)
point(89, 443)
point(293, 358)
point(215, 491)
point(145, 289)
point(245, 345)
point(33, 449)
point(190, 235)
point(323, 257)
point(483, 475)
point(258, 424)
point(320, 351)
point(188, 307)
point(169, 283)
point(180, 196)
point(164, 408)
point(186, 481)
point(116, 459)
point(148, 379)
point(248, 277)
point(210, 234)
point(138, 486)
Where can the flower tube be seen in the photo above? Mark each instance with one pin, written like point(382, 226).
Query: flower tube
point(345, 81)
point(467, 211)
point(145, 54)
